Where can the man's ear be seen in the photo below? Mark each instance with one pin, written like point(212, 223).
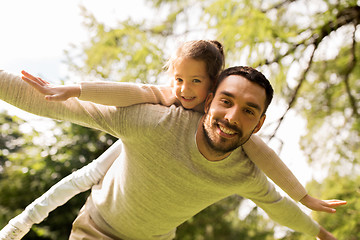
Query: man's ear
point(208, 101)
point(260, 123)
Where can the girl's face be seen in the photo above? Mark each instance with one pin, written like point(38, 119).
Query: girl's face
point(191, 82)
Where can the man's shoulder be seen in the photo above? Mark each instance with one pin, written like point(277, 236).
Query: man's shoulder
point(157, 109)
point(248, 166)
point(155, 121)
point(155, 113)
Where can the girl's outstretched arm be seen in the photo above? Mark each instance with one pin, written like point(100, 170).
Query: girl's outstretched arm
point(51, 92)
point(119, 94)
point(270, 163)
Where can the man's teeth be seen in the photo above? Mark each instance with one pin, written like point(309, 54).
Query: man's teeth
point(226, 130)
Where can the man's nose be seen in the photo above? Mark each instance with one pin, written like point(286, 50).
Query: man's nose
point(233, 116)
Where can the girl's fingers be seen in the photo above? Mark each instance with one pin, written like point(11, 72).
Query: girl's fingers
point(38, 86)
point(329, 205)
point(334, 203)
point(33, 78)
point(31, 82)
point(329, 210)
point(45, 82)
point(28, 75)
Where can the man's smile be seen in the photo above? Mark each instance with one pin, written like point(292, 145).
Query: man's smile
point(226, 131)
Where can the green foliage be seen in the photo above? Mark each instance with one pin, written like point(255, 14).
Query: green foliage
point(129, 44)
point(306, 48)
point(295, 43)
point(344, 224)
point(122, 54)
point(328, 106)
point(29, 169)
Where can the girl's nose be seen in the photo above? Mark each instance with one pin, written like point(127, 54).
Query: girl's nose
point(184, 88)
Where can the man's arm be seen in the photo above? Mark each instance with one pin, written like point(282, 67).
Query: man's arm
point(325, 235)
point(20, 94)
point(281, 209)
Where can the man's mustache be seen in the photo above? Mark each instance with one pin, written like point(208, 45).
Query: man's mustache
point(230, 126)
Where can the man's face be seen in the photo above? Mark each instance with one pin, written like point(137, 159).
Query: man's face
point(233, 114)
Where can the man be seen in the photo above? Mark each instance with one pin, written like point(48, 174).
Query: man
point(174, 162)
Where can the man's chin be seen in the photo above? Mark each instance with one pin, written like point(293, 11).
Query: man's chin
point(221, 147)
point(225, 150)
point(224, 146)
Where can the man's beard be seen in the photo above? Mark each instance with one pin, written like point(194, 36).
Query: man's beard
point(222, 145)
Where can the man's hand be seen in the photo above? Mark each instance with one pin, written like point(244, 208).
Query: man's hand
point(51, 92)
point(12, 232)
point(325, 235)
point(321, 205)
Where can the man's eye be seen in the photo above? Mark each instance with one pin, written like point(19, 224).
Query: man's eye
point(249, 111)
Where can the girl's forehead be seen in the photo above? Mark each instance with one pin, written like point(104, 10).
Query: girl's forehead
point(190, 66)
point(188, 61)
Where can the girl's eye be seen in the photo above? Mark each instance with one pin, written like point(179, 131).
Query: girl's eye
point(196, 81)
point(179, 80)
point(225, 101)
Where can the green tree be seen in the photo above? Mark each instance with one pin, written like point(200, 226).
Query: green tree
point(32, 162)
point(341, 187)
point(11, 141)
point(345, 223)
point(308, 49)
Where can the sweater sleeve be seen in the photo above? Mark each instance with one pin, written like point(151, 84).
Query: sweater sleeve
point(123, 94)
point(270, 163)
point(18, 93)
point(280, 209)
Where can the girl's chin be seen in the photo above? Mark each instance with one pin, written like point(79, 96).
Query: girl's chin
point(188, 105)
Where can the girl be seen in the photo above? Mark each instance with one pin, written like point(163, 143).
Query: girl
point(194, 69)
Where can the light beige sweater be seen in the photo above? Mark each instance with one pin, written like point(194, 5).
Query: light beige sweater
point(160, 179)
point(126, 94)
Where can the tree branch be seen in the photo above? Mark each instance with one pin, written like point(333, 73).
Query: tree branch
point(346, 16)
point(278, 5)
point(351, 67)
point(296, 92)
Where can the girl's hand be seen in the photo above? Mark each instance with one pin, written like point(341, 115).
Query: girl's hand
point(321, 205)
point(51, 92)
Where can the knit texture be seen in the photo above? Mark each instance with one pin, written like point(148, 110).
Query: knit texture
point(160, 179)
point(127, 94)
point(123, 94)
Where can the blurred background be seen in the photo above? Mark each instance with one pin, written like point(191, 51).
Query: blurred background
point(309, 50)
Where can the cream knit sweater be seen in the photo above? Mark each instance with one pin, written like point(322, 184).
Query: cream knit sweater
point(125, 94)
point(160, 179)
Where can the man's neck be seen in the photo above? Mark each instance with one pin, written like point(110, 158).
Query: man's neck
point(204, 147)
